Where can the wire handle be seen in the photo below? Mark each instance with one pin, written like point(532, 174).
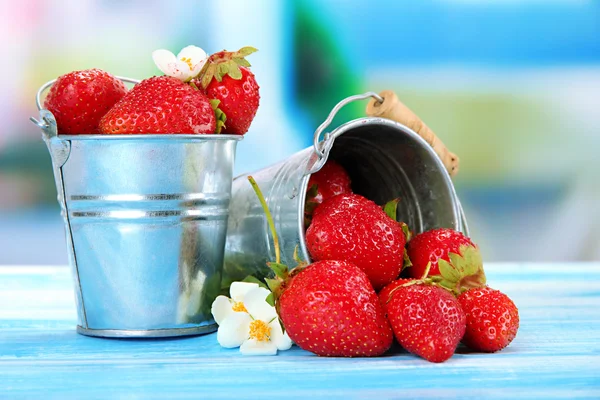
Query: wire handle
point(317, 143)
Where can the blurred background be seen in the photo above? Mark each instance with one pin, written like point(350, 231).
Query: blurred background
point(513, 87)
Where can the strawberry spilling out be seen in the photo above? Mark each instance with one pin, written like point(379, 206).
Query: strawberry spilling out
point(331, 180)
point(432, 246)
point(331, 309)
point(492, 319)
point(352, 228)
point(79, 99)
point(427, 320)
point(161, 104)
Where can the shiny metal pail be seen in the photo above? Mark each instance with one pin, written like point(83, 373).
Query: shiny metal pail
point(145, 219)
point(384, 159)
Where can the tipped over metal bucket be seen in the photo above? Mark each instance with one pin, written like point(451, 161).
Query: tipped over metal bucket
point(384, 159)
point(145, 219)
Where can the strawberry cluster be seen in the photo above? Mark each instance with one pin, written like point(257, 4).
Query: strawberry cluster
point(222, 98)
point(370, 281)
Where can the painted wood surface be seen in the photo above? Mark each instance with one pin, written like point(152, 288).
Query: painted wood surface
point(556, 353)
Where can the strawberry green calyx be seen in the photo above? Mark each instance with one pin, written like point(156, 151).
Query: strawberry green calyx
point(225, 63)
point(463, 272)
point(407, 232)
point(423, 281)
point(219, 115)
point(391, 208)
point(407, 263)
point(310, 204)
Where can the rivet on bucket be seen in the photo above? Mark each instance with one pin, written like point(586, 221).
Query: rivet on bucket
point(384, 159)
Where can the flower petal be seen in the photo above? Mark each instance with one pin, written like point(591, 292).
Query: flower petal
point(238, 290)
point(234, 330)
point(278, 337)
point(221, 309)
point(257, 306)
point(194, 53)
point(253, 347)
point(164, 60)
point(196, 56)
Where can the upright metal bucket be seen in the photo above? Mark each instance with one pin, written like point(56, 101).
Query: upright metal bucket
point(145, 219)
point(384, 159)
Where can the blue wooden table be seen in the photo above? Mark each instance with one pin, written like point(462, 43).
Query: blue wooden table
point(556, 353)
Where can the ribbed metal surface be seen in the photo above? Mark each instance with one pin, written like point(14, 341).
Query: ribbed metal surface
point(145, 219)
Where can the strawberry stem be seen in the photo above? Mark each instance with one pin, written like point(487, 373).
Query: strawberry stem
point(270, 222)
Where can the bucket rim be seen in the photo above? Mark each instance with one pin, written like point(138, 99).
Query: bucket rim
point(154, 136)
point(328, 143)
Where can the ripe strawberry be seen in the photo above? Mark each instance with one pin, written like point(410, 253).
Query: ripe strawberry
point(384, 294)
point(427, 321)
point(352, 228)
point(226, 77)
point(160, 104)
point(492, 319)
point(332, 179)
point(450, 258)
point(79, 99)
point(331, 309)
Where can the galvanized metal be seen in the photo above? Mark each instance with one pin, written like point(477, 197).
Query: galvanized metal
point(145, 219)
point(384, 159)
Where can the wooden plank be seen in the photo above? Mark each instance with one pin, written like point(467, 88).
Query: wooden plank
point(555, 355)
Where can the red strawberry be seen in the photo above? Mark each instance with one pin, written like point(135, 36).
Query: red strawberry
point(329, 181)
point(427, 321)
point(432, 245)
point(453, 261)
point(79, 99)
point(352, 228)
point(225, 77)
point(492, 319)
point(331, 309)
point(384, 294)
point(332, 179)
point(161, 104)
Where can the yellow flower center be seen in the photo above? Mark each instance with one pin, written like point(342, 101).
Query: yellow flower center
point(238, 306)
point(260, 331)
point(188, 61)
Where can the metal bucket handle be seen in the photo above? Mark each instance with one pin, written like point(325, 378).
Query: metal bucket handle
point(322, 147)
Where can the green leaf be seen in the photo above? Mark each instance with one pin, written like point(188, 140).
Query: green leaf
point(273, 284)
point(297, 255)
point(472, 259)
point(246, 51)
point(391, 208)
point(233, 70)
point(242, 62)
point(270, 300)
point(406, 230)
point(208, 75)
point(448, 271)
point(458, 262)
point(222, 70)
point(214, 103)
point(251, 279)
point(407, 263)
point(281, 270)
point(312, 191)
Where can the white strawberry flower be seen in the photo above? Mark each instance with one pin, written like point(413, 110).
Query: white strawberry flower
point(247, 321)
point(185, 66)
